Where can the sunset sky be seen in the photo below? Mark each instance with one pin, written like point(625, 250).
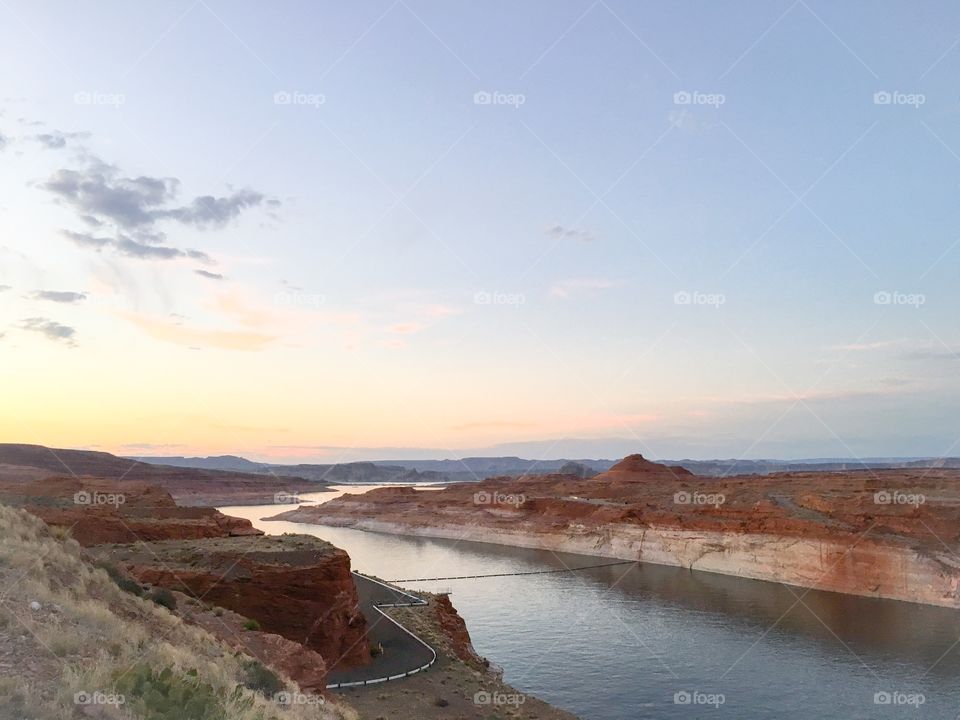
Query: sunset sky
point(319, 230)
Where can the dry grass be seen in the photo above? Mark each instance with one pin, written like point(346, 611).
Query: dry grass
point(67, 628)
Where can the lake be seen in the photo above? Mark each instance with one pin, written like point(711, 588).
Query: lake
point(648, 641)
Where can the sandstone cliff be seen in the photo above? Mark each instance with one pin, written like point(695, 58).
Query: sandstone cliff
point(296, 586)
point(890, 534)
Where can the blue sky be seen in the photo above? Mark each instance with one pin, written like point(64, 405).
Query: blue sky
point(690, 229)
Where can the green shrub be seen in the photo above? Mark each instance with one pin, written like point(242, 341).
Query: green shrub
point(260, 679)
point(162, 596)
point(166, 695)
point(251, 624)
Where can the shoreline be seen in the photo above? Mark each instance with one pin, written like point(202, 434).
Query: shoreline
point(862, 567)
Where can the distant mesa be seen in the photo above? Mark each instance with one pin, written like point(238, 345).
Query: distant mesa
point(637, 463)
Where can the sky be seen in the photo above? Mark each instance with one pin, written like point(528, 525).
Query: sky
point(321, 231)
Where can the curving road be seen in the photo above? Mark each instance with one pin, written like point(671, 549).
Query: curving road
point(403, 653)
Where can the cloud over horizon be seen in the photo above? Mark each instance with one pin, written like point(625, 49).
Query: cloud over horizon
point(51, 330)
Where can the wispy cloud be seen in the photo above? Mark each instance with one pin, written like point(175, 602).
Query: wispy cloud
point(194, 337)
point(50, 329)
point(405, 328)
point(574, 286)
point(133, 207)
point(209, 275)
point(559, 232)
point(59, 296)
point(55, 139)
point(493, 425)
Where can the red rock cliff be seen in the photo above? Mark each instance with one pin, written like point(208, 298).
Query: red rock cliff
point(296, 586)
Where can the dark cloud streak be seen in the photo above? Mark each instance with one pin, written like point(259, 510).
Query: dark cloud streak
point(59, 296)
point(51, 330)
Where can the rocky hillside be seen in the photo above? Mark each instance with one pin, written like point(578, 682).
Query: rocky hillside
point(76, 642)
point(892, 533)
point(298, 587)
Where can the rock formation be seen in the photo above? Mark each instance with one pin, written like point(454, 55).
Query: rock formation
point(296, 586)
point(889, 534)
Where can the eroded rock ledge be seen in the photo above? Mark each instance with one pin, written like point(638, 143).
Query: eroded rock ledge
point(887, 534)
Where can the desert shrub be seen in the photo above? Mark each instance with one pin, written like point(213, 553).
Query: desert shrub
point(162, 596)
point(167, 695)
point(251, 624)
point(121, 580)
point(261, 679)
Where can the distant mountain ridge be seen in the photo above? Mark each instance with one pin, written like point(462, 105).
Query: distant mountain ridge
point(480, 468)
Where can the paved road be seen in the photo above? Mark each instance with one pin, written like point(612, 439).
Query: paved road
point(401, 651)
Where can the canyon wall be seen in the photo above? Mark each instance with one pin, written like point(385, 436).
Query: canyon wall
point(864, 568)
point(892, 535)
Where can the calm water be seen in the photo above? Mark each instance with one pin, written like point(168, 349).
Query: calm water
point(619, 643)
